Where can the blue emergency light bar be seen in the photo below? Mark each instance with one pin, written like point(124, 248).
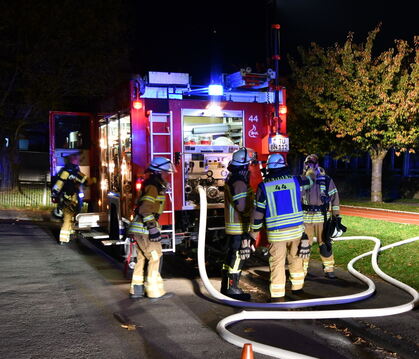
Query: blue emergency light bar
point(215, 90)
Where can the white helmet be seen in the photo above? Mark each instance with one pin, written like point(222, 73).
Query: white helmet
point(334, 227)
point(276, 160)
point(242, 157)
point(160, 164)
point(312, 159)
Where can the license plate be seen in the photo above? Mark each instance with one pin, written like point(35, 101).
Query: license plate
point(278, 143)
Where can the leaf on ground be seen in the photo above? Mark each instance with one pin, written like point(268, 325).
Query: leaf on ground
point(129, 326)
point(359, 340)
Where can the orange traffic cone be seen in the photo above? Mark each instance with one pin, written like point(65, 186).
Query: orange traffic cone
point(247, 352)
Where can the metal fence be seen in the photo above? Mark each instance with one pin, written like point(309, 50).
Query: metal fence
point(28, 194)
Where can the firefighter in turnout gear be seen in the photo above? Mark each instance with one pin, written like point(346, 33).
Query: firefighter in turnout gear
point(238, 199)
point(317, 203)
point(145, 231)
point(278, 208)
point(68, 195)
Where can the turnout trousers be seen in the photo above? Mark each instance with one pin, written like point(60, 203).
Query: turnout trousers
point(279, 251)
point(315, 230)
point(68, 224)
point(233, 263)
point(150, 252)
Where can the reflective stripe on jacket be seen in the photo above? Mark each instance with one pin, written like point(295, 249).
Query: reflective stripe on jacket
point(313, 197)
point(68, 182)
point(278, 205)
point(238, 199)
point(283, 203)
point(150, 203)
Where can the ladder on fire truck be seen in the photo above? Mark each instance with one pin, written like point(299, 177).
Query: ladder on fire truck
point(166, 118)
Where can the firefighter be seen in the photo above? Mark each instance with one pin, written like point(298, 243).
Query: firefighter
point(145, 231)
point(238, 199)
point(317, 202)
point(278, 208)
point(67, 193)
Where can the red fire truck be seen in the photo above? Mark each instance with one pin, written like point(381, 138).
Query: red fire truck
point(197, 127)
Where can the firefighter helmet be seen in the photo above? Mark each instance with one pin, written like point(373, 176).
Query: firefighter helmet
point(334, 227)
point(161, 164)
point(313, 159)
point(242, 157)
point(275, 161)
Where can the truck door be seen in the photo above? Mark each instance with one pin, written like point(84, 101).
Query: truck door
point(74, 132)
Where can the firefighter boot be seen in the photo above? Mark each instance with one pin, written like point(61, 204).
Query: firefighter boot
point(138, 292)
point(224, 281)
point(330, 275)
point(233, 290)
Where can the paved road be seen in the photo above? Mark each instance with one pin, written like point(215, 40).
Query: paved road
point(385, 215)
point(61, 302)
point(64, 302)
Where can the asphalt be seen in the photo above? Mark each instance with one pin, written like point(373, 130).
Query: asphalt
point(67, 302)
point(71, 302)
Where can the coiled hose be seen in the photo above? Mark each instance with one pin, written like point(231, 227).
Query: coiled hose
point(325, 314)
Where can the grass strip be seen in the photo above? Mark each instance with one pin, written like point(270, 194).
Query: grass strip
point(400, 262)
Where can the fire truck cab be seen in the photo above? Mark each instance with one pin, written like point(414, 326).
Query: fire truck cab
point(196, 127)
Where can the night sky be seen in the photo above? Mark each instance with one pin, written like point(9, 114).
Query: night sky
point(199, 37)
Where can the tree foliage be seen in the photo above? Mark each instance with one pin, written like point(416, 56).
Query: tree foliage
point(55, 55)
point(358, 99)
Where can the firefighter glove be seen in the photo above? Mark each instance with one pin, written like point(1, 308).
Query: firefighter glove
point(154, 234)
point(304, 248)
point(55, 196)
point(245, 250)
point(247, 246)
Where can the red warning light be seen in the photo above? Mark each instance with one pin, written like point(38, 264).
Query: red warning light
point(139, 184)
point(282, 110)
point(138, 105)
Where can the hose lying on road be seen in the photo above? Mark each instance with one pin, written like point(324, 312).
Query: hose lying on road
point(326, 314)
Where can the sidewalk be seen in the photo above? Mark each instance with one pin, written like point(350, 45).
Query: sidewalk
point(381, 214)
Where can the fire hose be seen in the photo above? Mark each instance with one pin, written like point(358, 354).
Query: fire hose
point(325, 314)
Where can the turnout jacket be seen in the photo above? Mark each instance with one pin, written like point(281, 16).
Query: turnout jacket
point(278, 205)
point(322, 196)
point(68, 183)
point(238, 205)
point(149, 206)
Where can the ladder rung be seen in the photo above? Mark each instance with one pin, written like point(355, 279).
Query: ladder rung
point(215, 228)
point(160, 134)
point(160, 114)
point(161, 153)
point(167, 231)
point(167, 212)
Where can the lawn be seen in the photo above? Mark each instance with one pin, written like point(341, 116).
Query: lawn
point(408, 205)
point(400, 262)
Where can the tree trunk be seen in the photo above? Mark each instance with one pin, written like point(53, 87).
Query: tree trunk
point(377, 158)
point(6, 174)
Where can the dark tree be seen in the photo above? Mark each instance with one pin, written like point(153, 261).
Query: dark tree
point(349, 94)
point(54, 55)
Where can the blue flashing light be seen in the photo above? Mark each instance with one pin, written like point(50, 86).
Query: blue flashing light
point(215, 90)
point(81, 195)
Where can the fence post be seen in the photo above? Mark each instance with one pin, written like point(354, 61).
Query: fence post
point(44, 197)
